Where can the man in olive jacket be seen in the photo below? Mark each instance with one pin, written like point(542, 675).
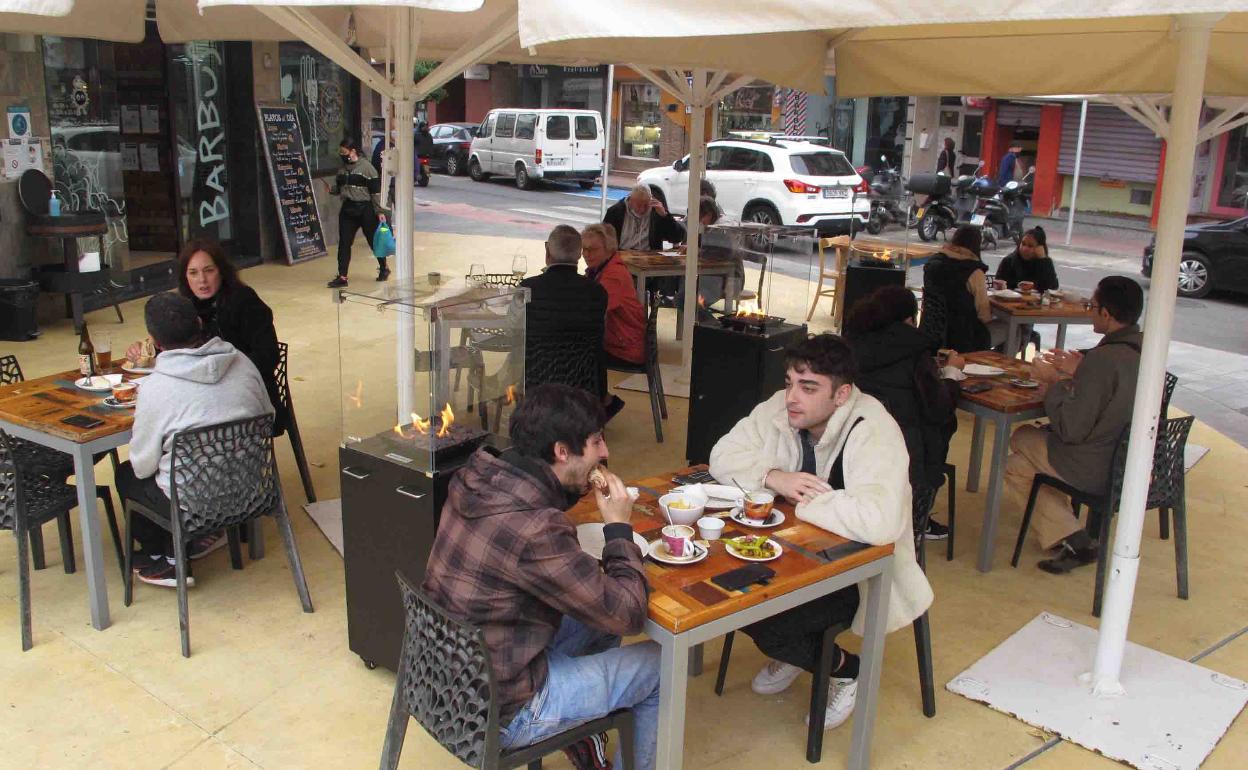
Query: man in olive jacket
point(1089, 402)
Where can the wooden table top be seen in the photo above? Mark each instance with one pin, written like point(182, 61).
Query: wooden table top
point(683, 597)
point(42, 403)
point(1004, 397)
point(1061, 309)
point(640, 261)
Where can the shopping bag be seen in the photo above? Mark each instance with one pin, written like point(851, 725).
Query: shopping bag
point(383, 240)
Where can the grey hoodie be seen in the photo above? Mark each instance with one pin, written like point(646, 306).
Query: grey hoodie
point(191, 388)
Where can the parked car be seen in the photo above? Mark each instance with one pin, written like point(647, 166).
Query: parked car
point(451, 143)
point(1215, 256)
point(773, 182)
point(531, 145)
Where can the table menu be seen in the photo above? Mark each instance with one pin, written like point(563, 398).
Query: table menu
point(292, 182)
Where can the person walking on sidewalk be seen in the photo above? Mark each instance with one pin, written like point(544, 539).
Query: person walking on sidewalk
point(359, 184)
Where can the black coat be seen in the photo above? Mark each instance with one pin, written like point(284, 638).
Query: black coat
point(661, 228)
point(896, 365)
point(1039, 271)
point(565, 322)
point(242, 319)
point(945, 277)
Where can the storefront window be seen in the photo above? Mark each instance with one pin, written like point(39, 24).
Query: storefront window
point(842, 137)
point(197, 80)
point(326, 100)
point(81, 88)
point(886, 131)
point(1233, 190)
point(640, 121)
point(746, 109)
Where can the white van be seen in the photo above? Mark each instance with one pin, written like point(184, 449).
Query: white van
point(529, 145)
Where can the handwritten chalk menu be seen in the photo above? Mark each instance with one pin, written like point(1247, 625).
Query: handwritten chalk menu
point(292, 182)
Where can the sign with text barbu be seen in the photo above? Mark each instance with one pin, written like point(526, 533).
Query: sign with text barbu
point(292, 182)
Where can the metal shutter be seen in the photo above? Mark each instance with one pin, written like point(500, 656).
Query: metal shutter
point(1024, 115)
point(1115, 145)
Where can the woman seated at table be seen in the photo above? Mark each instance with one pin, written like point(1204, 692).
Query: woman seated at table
point(957, 276)
point(231, 310)
point(1029, 262)
point(897, 364)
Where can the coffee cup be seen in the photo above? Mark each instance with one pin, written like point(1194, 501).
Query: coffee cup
point(125, 392)
point(1026, 287)
point(710, 528)
point(758, 506)
point(679, 540)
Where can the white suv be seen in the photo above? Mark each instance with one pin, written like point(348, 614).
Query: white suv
point(775, 182)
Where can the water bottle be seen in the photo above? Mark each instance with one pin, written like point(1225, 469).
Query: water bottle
point(54, 205)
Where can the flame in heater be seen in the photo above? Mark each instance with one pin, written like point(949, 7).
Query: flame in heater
point(750, 310)
point(511, 394)
point(421, 427)
point(448, 419)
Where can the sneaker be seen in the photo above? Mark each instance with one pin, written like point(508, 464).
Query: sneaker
point(842, 695)
point(338, 282)
point(383, 273)
point(936, 531)
point(589, 753)
point(775, 677)
point(1068, 557)
point(160, 571)
point(202, 546)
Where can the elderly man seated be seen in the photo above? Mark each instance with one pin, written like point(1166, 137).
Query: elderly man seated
point(642, 223)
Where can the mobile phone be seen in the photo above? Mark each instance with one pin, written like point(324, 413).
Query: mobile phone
point(977, 387)
point(82, 421)
point(735, 580)
point(697, 477)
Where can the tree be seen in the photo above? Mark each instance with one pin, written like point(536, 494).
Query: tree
point(423, 68)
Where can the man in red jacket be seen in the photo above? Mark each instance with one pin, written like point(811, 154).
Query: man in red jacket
point(625, 337)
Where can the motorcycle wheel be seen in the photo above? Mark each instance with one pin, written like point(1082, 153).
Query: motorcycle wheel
point(929, 226)
point(422, 180)
point(875, 225)
point(990, 238)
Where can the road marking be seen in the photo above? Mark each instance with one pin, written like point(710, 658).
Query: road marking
point(583, 216)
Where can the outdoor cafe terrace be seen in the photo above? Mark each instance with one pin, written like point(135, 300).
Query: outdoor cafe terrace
point(269, 686)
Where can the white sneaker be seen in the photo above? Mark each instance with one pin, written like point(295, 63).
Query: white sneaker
point(775, 677)
point(842, 695)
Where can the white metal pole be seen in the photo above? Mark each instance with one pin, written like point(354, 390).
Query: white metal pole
point(1193, 33)
point(606, 139)
point(404, 206)
point(697, 162)
point(1074, 190)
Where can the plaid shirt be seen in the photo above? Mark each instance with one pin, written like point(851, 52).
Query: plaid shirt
point(507, 559)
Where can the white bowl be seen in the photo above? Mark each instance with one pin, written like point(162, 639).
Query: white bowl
point(682, 515)
point(710, 527)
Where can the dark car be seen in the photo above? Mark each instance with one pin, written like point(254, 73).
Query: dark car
point(450, 147)
point(1215, 256)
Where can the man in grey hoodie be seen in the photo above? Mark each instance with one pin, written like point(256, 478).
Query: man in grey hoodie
point(195, 384)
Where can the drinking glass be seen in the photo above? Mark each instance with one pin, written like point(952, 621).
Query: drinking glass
point(519, 265)
point(103, 342)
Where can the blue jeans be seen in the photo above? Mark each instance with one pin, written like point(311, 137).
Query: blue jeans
point(590, 675)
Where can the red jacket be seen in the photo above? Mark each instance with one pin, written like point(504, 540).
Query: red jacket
point(625, 335)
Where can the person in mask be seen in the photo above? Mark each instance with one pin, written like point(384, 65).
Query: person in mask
point(359, 184)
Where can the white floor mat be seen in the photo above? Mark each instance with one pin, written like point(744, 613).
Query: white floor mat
point(671, 387)
point(328, 516)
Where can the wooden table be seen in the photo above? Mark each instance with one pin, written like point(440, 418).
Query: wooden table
point(1019, 313)
point(652, 264)
point(33, 410)
point(1004, 405)
point(686, 609)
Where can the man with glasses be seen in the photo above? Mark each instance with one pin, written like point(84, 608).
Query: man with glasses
point(1089, 401)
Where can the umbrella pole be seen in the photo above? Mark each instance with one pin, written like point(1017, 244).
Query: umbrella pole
point(1193, 33)
point(606, 140)
point(1074, 190)
point(697, 162)
point(404, 205)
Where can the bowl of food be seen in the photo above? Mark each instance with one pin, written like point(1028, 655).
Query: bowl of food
point(682, 507)
point(758, 506)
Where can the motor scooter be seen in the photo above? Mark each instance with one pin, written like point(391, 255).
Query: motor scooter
point(1004, 211)
point(887, 194)
point(422, 171)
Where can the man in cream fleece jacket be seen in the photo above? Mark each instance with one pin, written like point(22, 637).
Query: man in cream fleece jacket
point(193, 386)
point(837, 453)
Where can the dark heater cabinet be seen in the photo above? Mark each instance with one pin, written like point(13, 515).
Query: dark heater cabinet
point(733, 371)
point(389, 519)
point(862, 279)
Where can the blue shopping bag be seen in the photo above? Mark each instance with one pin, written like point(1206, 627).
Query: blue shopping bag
point(383, 240)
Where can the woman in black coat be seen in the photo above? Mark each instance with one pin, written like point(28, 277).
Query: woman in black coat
point(897, 365)
point(1029, 262)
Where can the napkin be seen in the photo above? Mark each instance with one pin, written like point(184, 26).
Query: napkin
point(696, 494)
point(952, 373)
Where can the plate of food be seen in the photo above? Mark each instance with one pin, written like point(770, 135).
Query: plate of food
point(658, 551)
point(144, 362)
point(982, 370)
point(1019, 382)
point(592, 540)
point(720, 497)
point(100, 383)
point(774, 519)
point(751, 548)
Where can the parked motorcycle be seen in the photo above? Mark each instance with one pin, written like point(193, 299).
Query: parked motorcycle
point(1004, 210)
point(936, 214)
point(887, 196)
point(422, 172)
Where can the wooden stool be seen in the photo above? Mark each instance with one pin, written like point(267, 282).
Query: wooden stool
point(833, 274)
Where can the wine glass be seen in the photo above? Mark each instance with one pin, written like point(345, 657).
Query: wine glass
point(519, 265)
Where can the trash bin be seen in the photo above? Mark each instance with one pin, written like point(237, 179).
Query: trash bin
point(18, 298)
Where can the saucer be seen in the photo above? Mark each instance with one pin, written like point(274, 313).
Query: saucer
point(774, 520)
point(114, 403)
point(658, 551)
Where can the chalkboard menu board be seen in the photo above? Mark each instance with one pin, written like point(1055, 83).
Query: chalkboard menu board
point(292, 182)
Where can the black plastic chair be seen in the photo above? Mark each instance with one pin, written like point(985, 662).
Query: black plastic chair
point(1167, 490)
point(446, 683)
point(292, 426)
point(951, 472)
point(43, 460)
point(654, 376)
point(28, 500)
point(221, 477)
point(921, 512)
point(1168, 391)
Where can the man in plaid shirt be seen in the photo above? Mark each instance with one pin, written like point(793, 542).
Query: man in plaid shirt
point(507, 560)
